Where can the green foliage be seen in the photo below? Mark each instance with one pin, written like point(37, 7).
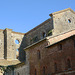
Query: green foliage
point(50, 32)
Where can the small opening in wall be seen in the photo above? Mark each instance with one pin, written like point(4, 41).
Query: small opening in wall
point(44, 34)
point(17, 54)
point(68, 63)
point(55, 65)
point(74, 43)
point(69, 20)
point(44, 70)
point(35, 72)
point(39, 55)
point(18, 73)
point(17, 41)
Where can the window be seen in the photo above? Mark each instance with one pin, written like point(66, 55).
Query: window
point(43, 70)
point(35, 39)
point(17, 42)
point(18, 73)
point(60, 46)
point(44, 34)
point(68, 63)
point(17, 54)
point(74, 43)
point(38, 54)
point(69, 20)
point(35, 72)
point(55, 66)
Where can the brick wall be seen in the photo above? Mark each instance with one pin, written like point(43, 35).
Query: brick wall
point(51, 55)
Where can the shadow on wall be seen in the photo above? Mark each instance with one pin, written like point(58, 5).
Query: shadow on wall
point(46, 30)
point(22, 53)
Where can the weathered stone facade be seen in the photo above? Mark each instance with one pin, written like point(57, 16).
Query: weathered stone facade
point(52, 53)
point(42, 49)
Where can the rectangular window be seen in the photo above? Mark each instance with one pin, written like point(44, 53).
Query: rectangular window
point(55, 65)
point(43, 70)
point(74, 43)
point(60, 46)
point(35, 72)
point(38, 54)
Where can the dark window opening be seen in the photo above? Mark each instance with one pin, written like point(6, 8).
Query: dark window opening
point(39, 55)
point(18, 73)
point(60, 46)
point(69, 20)
point(35, 72)
point(55, 65)
point(35, 39)
point(74, 43)
point(43, 70)
point(44, 34)
point(68, 63)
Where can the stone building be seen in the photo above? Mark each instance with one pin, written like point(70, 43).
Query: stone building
point(48, 49)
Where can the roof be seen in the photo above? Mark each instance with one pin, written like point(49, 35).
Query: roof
point(4, 62)
point(61, 37)
point(62, 11)
point(39, 25)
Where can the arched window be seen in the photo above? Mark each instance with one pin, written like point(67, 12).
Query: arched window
point(55, 66)
point(38, 54)
point(68, 63)
point(44, 34)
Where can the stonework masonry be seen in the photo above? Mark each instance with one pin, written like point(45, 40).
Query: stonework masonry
point(52, 54)
point(48, 49)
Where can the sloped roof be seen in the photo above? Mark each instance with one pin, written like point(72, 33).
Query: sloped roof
point(60, 37)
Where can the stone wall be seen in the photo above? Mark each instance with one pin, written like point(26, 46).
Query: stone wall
point(1, 44)
point(8, 46)
point(63, 21)
point(39, 32)
point(22, 70)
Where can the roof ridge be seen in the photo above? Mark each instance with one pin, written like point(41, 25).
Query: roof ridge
point(62, 11)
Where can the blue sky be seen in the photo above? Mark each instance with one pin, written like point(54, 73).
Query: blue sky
point(23, 15)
